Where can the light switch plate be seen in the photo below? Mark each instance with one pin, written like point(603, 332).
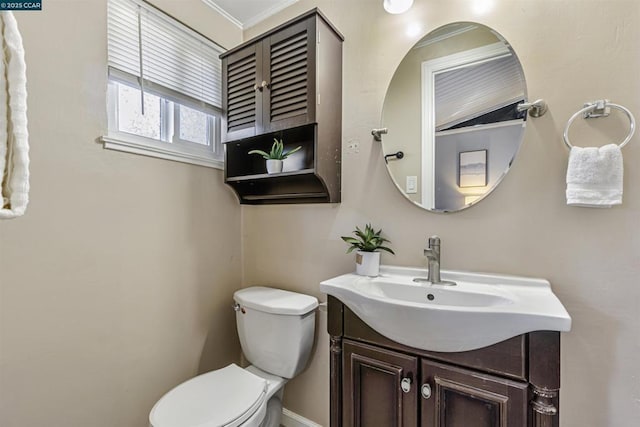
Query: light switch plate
point(412, 184)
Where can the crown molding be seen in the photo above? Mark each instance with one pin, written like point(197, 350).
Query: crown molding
point(256, 19)
point(213, 5)
point(268, 13)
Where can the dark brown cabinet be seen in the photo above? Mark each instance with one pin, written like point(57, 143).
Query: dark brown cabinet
point(270, 84)
point(457, 397)
point(382, 385)
point(285, 84)
point(376, 382)
point(242, 99)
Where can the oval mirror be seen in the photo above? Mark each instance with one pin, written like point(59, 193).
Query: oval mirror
point(452, 116)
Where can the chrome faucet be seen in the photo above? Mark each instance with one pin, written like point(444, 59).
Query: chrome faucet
point(432, 252)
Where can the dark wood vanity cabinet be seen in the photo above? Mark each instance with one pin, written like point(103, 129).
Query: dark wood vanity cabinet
point(285, 84)
point(376, 382)
point(373, 379)
point(460, 397)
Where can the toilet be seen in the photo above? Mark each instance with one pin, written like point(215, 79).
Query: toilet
point(276, 330)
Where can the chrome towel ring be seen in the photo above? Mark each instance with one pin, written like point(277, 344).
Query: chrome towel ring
point(600, 108)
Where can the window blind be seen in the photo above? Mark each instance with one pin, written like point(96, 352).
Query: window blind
point(465, 93)
point(173, 55)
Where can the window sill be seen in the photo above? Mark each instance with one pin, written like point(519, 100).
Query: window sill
point(151, 148)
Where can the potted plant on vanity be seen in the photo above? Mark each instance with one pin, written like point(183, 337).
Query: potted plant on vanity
point(367, 244)
point(276, 156)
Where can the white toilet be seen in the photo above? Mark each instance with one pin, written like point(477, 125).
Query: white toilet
point(276, 330)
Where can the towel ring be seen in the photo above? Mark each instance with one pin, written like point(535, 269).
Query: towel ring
point(599, 109)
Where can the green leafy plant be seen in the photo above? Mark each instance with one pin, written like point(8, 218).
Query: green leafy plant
point(277, 151)
point(368, 240)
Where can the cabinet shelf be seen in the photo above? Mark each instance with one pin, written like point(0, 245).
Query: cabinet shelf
point(299, 186)
point(268, 175)
point(286, 196)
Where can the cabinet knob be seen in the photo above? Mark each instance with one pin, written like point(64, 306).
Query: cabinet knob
point(405, 385)
point(261, 86)
point(425, 390)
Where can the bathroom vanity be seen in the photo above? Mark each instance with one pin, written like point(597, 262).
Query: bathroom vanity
point(411, 348)
point(378, 382)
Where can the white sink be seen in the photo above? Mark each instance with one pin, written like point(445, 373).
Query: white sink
point(481, 310)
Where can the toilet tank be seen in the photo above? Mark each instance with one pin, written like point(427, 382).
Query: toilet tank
point(276, 328)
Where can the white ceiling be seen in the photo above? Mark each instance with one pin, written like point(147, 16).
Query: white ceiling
point(246, 13)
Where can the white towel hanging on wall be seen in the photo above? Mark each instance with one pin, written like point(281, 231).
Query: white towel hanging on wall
point(14, 137)
point(594, 176)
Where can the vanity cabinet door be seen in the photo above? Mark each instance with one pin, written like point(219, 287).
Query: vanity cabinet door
point(379, 387)
point(456, 397)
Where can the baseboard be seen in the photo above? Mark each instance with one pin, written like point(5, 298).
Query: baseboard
point(291, 419)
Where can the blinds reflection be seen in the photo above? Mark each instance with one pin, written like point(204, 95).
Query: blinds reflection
point(467, 92)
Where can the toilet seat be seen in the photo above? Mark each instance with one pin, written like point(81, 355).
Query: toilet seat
point(225, 397)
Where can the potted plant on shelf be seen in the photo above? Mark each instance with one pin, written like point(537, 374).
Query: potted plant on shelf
point(276, 156)
point(368, 243)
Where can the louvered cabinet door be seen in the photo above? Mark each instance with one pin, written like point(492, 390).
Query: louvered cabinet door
point(290, 71)
point(242, 93)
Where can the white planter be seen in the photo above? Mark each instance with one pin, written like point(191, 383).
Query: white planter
point(274, 166)
point(368, 263)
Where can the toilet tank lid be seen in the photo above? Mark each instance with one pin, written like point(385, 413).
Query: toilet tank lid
point(276, 301)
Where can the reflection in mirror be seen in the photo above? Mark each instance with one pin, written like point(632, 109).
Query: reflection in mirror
point(451, 108)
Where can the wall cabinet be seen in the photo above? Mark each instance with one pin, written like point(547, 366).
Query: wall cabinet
point(377, 382)
point(285, 84)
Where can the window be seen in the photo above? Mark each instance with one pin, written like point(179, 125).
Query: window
point(164, 94)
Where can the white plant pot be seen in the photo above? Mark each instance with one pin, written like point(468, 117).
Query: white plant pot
point(368, 263)
point(274, 166)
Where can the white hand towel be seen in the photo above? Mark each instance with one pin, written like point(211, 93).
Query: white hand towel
point(14, 136)
point(594, 176)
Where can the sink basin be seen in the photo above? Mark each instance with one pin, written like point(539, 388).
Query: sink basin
point(481, 310)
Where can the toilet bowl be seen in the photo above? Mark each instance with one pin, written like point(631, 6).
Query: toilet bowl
point(228, 397)
point(276, 329)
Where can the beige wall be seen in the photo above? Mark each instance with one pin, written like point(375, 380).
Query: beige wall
point(571, 51)
point(117, 283)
